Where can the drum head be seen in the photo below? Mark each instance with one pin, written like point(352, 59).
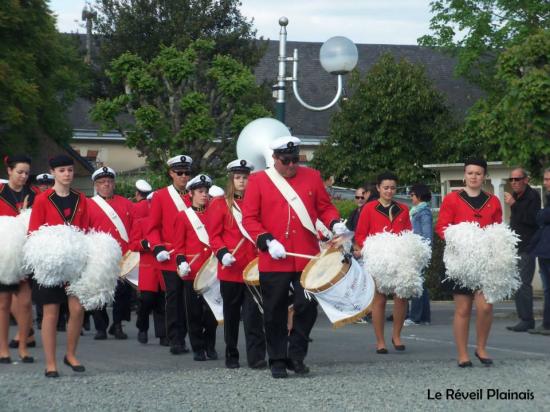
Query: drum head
point(251, 274)
point(320, 274)
point(129, 261)
point(207, 274)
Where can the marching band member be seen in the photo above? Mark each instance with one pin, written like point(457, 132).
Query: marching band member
point(192, 250)
point(280, 207)
point(150, 283)
point(471, 204)
point(111, 214)
point(166, 203)
point(60, 205)
point(44, 181)
point(385, 214)
point(226, 233)
point(15, 195)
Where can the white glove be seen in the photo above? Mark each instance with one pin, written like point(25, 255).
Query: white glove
point(276, 249)
point(339, 228)
point(228, 259)
point(184, 269)
point(163, 256)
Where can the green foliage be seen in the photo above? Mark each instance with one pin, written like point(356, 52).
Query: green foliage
point(477, 31)
point(344, 206)
point(40, 75)
point(181, 101)
point(395, 119)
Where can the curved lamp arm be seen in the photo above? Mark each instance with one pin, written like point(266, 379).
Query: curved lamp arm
point(297, 94)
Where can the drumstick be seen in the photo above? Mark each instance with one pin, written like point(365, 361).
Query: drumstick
point(238, 246)
point(301, 255)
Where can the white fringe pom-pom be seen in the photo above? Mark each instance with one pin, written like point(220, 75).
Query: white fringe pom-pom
point(483, 259)
point(56, 254)
point(96, 287)
point(14, 235)
point(24, 217)
point(396, 262)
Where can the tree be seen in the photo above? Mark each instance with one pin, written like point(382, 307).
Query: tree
point(40, 74)
point(394, 120)
point(515, 125)
point(193, 101)
point(477, 31)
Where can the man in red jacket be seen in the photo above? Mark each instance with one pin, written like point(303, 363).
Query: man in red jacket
point(280, 207)
point(111, 214)
point(166, 204)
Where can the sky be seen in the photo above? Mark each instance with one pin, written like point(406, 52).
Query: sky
point(363, 21)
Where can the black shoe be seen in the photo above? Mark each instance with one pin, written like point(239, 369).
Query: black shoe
point(178, 349)
point(142, 337)
point(6, 360)
point(199, 356)
point(400, 348)
point(75, 368)
point(278, 370)
point(260, 364)
point(466, 364)
point(232, 363)
point(51, 374)
point(521, 326)
point(299, 367)
point(382, 351)
point(484, 361)
point(389, 318)
point(212, 354)
point(164, 341)
point(26, 359)
point(117, 332)
point(14, 344)
point(100, 335)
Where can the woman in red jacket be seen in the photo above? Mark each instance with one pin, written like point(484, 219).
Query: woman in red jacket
point(15, 195)
point(60, 205)
point(470, 205)
point(226, 233)
point(192, 250)
point(385, 214)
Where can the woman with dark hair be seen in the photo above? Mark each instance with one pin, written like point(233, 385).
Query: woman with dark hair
point(60, 205)
point(16, 196)
point(385, 214)
point(470, 204)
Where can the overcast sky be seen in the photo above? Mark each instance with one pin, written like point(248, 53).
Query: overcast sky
point(363, 21)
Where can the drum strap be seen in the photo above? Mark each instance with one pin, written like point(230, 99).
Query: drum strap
point(292, 198)
point(113, 216)
point(176, 197)
point(238, 215)
point(198, 226)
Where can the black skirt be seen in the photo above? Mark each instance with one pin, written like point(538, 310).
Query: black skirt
point(453, 287)
point(49, 295)
point(9, 288)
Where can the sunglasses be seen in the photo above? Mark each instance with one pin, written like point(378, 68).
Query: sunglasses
point(359, 197)
point(286, 160)
point(183, 172)
point(516, 179)
point(412, 194)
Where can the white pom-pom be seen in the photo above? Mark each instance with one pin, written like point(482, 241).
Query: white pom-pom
point(14, 235)
point(396, 262)
point(96, 287)
point(56, 254)
point(24, 217)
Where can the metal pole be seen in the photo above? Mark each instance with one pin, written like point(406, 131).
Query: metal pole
point(280, 102)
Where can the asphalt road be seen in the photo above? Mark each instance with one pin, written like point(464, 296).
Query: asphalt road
point(346, 374)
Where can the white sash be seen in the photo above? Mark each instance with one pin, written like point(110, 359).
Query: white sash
point(198, 226)
point(238, 215)
point(113, 216)
point(292, 198)
point(176, 198)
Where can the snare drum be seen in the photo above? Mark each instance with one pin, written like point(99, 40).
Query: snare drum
point(129, 268)
point(251, 278)
point(344, 290)
point(207, 284)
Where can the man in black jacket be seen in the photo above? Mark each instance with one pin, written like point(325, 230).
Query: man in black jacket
point(524, 203)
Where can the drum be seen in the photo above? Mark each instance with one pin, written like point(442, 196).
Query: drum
point(344, 290)
point(251, 278)
point(207, 284)
point(129, 268)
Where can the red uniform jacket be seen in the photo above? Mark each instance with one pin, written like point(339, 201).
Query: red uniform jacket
point(102, 223)
point(161, 231)
point(266, 213)
point(373, 220)
point(150, 277)
point(45, 212)
point(224, 236)
point(187, 243)
point(455, 209)
point(7, 204)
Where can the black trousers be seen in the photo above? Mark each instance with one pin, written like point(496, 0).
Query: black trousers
point(201, 322)
point(121, 307)
point(524, 295)
point(275, 289)
point(151, 302)
point(237, 303)
point(176, 321)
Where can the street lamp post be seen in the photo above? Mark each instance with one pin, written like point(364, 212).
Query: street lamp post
point(338, 56)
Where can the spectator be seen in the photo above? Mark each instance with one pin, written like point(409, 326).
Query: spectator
point(524, 203)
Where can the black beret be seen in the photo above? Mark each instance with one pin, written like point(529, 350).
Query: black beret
point(18, 158)
point(476, 161)
point(61, 160)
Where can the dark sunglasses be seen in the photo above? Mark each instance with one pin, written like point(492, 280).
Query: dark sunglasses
point(516, 179)
point(412, 194)
point(183, 172)
point(359, 197)
point(286, 160)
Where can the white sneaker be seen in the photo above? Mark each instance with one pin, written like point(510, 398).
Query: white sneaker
point(361, 321)
point(409, 322)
